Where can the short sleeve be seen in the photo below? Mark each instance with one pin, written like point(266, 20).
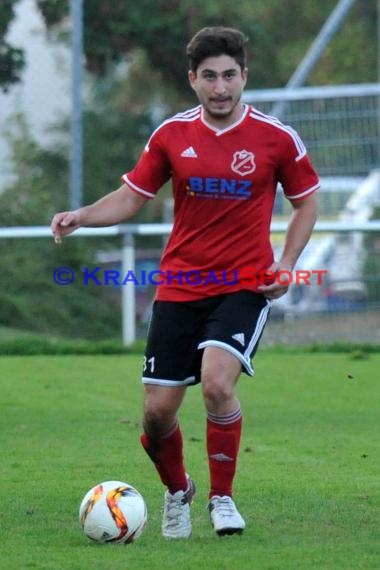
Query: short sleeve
point(152, 169)
point(296, 173)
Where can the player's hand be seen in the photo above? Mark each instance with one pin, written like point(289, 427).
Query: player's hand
point(276, 289)
point(63, 224)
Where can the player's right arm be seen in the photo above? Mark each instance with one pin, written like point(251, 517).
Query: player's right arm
point(114, 208)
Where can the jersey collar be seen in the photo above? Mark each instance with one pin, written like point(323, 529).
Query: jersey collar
point(220, 132)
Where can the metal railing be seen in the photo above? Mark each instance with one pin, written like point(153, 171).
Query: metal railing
point(130, 231)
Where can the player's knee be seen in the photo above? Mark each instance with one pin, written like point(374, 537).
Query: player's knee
point(216, 390)
point(158, 420)
point(160, 409)
point(155, 421)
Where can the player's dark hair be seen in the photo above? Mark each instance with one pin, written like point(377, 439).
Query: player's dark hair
point(215, 41)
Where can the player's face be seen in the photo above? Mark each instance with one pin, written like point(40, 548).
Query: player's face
point(218, 83)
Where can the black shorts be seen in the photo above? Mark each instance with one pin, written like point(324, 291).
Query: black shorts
point(179, 331)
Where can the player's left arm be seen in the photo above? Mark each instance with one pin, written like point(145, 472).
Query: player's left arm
point(297, 236)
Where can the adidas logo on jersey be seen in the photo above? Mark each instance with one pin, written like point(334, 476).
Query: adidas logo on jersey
point(239, 337)
point(189, 153)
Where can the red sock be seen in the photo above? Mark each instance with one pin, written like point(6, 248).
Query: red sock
point(167, 456)
point(223, 440)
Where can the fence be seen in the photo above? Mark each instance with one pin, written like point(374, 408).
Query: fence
point(339, 124)
point(125, 261)
point(340, 127)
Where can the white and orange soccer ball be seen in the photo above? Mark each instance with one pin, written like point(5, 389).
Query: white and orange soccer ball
point(113, 512)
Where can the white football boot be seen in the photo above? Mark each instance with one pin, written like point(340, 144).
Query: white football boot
point(225, 518)
point(176, 521)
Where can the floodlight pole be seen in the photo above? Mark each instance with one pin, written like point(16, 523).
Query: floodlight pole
point(76, 149)
point(315, 51)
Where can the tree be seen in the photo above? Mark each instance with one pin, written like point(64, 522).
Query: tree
point(12, 59)
point(279, 32)
point(29, 298)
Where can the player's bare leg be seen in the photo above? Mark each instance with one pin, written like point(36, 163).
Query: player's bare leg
point(161, 404)
point(220, 372)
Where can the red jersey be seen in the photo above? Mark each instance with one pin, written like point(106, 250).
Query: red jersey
point(224, 185)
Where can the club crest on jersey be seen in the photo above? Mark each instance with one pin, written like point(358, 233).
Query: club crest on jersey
point(243, 162)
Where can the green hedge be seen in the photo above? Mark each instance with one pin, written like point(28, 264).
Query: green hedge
point(19, 346)
point(37, 346)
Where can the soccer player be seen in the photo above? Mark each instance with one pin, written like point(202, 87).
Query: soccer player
point(225, 160)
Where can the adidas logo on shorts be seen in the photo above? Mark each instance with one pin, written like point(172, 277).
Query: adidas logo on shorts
point(239, 337)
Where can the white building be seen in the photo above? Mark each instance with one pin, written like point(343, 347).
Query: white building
point(44, 93)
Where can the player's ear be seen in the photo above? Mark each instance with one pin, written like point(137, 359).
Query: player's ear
point(192, 77)
point(244, 74)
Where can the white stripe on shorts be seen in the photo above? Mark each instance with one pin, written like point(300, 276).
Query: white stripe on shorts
point(263, 317)
point(163, 382)
point(245, 357)
point(219, 344)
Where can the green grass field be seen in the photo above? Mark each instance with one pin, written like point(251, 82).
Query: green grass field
point(308, 482)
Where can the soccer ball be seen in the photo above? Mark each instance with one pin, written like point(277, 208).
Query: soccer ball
point(113, 511)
